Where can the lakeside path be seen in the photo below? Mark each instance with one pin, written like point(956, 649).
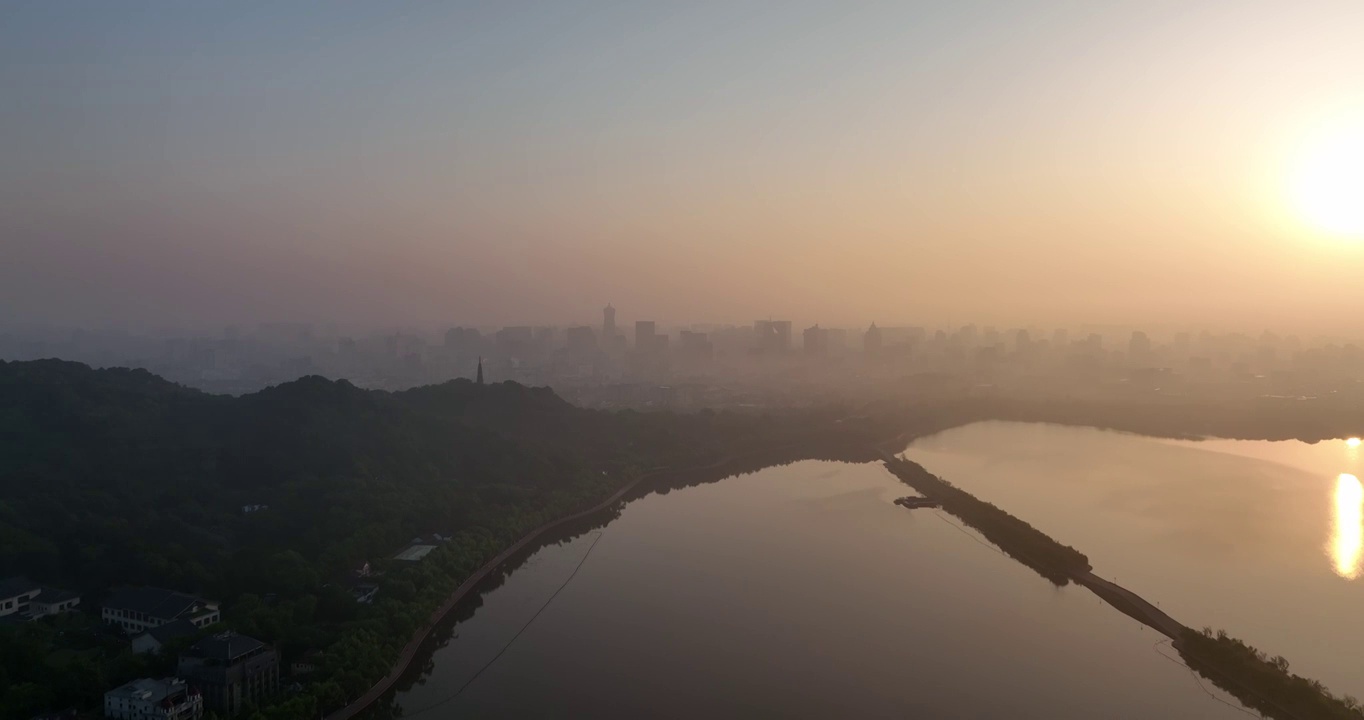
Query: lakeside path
point(414, 645)
point(1130, 603)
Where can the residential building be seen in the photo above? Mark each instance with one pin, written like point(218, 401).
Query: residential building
point(51, 601)
point(22, 599)
point(148, 699)
point(16, 594)
point(139, 609)
point(232, 671)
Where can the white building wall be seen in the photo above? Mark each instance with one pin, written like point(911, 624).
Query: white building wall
point(13, 604)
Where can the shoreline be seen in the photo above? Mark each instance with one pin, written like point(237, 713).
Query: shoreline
point(1123, 600)
point(1116, 596)
point(414, 645)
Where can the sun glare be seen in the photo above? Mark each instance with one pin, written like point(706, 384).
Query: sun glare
point(1347, 536)
point(1328, 183)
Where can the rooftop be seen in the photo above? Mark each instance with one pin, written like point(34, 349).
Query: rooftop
point(153, 602)
point(225, 647)
point(149, 689)
point(415, 552)
point(14, 586)
point(54, 595)
point(172, 630)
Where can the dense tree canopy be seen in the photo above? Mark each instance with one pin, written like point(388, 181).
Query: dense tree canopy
point(111, 477)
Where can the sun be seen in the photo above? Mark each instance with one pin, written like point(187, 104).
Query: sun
point(1328, 183)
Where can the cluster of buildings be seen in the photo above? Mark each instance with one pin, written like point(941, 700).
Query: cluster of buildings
point(139, 610)
point(225, 672)
point(22, 600)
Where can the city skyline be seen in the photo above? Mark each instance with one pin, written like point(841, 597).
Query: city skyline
point(427, 163)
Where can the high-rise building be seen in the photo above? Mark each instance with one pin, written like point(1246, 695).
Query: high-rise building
point(835, 340)
point(816, 340)
point(1139, 349)
point(608, 324)
point(772, 336)
point(516, 340)
point(695, 345)
point(871, 340)
point(580, 340)
point(644, 334)
point(462, 339)
point(969, 336)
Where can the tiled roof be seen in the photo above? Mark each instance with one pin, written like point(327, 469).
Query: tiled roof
point(172, 630)
point(225, 646)
point(153, 602)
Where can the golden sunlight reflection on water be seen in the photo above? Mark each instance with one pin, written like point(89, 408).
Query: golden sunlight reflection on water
point(1347, 535)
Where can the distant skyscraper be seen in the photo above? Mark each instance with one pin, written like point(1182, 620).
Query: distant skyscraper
point(871, 341)
point(515, 339)
point(1182, 344)
point(969, 336)
point(773, 336)
point(580, 340)
point(458, 338)
point(608, 323)
point(816, 340)
point(479, 379)
point(645, 334)
point(695, 345)
point(1139, 349)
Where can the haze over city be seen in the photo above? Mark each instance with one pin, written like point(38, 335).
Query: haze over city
point(509, 163)
point(454, 359)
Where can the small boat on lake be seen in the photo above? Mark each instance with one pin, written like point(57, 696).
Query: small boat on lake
point(916, 501)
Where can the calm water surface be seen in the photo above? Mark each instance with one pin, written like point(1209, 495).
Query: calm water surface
point(1260, 538)
point(797, 591)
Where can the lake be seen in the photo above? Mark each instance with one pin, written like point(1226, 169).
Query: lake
point(795, 591)
point(1260, 538)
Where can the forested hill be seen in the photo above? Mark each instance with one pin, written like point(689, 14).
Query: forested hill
point(116, 476)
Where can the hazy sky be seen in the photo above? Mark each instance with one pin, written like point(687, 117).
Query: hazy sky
point(430, 162)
